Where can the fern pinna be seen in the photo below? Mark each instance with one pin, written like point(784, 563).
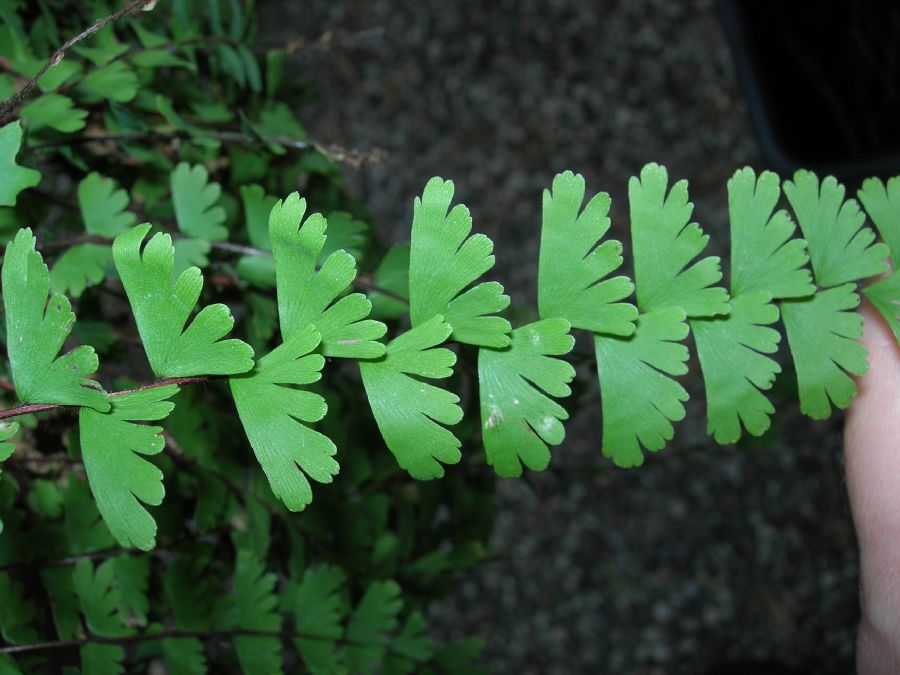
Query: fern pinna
point(639, 330)
point(640, 347)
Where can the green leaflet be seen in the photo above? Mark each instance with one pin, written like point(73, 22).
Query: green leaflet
point(35, 334)
point(103, 207)
point(461, 657)
point(410, 412)
point(640, 400)
point(158, 59)
point(573, 266)
point(190, 253)
point(7, 431)
point(184, 656)
point(257, 270)
point(392, 275)
point(368, 627)
point(103, 47)
point(44, 497)
point(273, 412)
point(518, 420)
point(132, 575)
point(63, 601)
point(16, 613)
point(189, 589)
point(161, 310)
point(884, 294)
point(665, 243)
point(99, 598)
point(257, 207)
point(13, 178)
point(882, 203)
point(120, 479)
point(115, 82)
point(317, 608)
point(412, 642)
point(732, 353)
point(255, 600)
point(344, 233)
point(102, 659)
point(85, 530)
point(443, 261)
point(8, 665)
point(765, 262)
point(841, 249)
point(764, 257)
point(824, 335)
point(195, 201)
point(81, 266)
point(55, 112)
point(307, 297)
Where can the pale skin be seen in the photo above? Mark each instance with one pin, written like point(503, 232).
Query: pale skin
point(872, 452)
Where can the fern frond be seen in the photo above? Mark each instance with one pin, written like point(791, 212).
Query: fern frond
point(195, 200)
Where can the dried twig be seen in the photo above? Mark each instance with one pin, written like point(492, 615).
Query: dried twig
point(331, 39)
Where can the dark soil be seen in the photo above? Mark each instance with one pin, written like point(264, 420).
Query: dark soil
point(706, 555)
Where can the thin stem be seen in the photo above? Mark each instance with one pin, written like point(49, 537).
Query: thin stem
point(240, 248)
point(9, 107)
point(28, 409)
point(162, 635)
point(353, 157)
point(330, 39)
point(32, 408)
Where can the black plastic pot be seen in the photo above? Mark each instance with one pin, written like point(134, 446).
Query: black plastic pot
point(822, 79)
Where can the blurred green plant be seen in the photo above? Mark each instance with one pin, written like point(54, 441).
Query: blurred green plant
point(173, 545)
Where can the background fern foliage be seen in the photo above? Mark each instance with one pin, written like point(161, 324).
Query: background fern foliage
point(222, 464)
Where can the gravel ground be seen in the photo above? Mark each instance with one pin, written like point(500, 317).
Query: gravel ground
point(706, 556)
